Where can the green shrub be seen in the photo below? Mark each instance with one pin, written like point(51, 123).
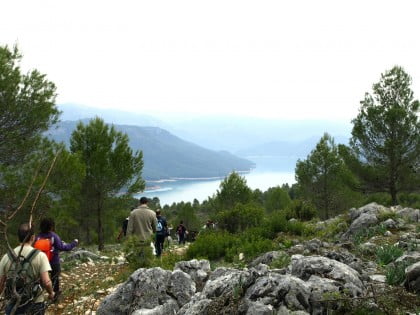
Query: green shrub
point(379, 198)
point(240, 218)
point(387, 254)
point(395, 274)
point(167, 260)
point(138, 255)
point(211, 245)
point(383, 216)
point(411, 200)
point(338, 225)
point(301, 210)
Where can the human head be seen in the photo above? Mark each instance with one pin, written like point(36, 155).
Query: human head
point(158, 212)
point(25, 233)
point(143, 200)
point(47, 225)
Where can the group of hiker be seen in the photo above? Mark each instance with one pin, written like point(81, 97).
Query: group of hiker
point(147, 224)
point(34, 265)
point(25, 272)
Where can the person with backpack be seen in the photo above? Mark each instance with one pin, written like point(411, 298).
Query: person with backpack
point(26, 271)
point(161, 232)
point(51, 244)
point(123, 231)
point(181, 231)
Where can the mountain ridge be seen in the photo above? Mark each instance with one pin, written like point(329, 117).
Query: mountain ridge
point(165, 155)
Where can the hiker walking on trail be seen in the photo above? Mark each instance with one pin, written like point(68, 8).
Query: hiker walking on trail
point(36, 266)
point(161, 232)
point(142, 221)
point(181, 230)
point(51, 244)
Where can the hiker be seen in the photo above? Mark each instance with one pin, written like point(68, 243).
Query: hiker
point(181, 230)
point(123, 231)
point(161, 232)
point(142, 221)
point(49, 242)
point(40, 267)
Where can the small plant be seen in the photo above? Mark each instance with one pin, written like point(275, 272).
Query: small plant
point(370, 232)
point(383, 216)
point(387, 254)
point(238, 289)
point(395, 274)
point(281, 262)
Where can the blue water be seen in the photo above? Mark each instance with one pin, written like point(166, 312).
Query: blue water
point(269, 172)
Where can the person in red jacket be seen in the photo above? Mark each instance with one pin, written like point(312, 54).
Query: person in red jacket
point(47, 228)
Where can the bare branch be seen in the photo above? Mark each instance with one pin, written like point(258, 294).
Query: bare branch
point(42, 187)
point(26, 195)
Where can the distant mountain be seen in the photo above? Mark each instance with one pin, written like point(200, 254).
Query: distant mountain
point(297, 149)
point(240, 133)
point(167, 156)
point(230, 133)
point(112, 116)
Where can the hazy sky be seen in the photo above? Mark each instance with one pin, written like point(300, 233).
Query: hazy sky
point(277, 59)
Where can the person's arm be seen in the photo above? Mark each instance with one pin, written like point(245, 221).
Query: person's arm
point(46, 283)
point(2, 283)
point(61, 246)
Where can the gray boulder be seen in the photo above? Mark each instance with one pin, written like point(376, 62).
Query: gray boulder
point(266, 258)
point(412, 277)
point(254, 308)
point(170, 307)
point(372, 208)
point(411, 257)
point(390, 224)
point(149, 291)
point(364, 221)
point(196, 307)
point(199, 270)
point(276, 289)
point(345, 257)
point(343, 275)
point(409, 214)
point(226, 280)
point(181, 287)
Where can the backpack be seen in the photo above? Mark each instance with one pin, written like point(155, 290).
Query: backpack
point(159, 226)
point(21, 276)
point(45, 245)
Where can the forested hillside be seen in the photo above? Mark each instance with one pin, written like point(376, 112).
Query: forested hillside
point(167, 156)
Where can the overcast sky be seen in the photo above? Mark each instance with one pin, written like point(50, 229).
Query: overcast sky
point(275, 59)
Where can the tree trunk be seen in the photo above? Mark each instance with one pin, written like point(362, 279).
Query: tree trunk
point(100, 227)
point(393, 192)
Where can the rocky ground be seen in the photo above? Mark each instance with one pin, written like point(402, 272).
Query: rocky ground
point(367, 262)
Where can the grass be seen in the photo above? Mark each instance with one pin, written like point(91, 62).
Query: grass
point(387, 253)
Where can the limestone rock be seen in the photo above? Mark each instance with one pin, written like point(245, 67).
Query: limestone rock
point(199, 270)
point(304, 267)
point(412, 274)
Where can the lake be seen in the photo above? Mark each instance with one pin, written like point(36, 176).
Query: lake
point(269, 172)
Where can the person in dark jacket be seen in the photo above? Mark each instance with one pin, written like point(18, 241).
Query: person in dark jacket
point(47, 228)
point(161, 232)
point(181, 231)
